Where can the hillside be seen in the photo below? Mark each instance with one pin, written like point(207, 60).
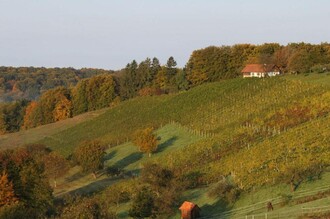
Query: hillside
point(256, 133)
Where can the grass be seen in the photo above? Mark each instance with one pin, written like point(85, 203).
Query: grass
point(315, 78)
point(212, 207)
point(34, 135)
point(125, 157)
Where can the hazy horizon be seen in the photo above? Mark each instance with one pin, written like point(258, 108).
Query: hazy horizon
point(109, 34)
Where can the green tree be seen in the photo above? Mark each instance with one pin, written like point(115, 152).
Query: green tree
point(128, 81)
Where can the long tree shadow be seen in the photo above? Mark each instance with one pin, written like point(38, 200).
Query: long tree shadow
point(132, 158)
point(90, 188)
point(167, 143)
point(214, 209)
point(75, 176)
point(109, 155)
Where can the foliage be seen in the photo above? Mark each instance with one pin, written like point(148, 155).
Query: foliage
point(146, 140)
point(86, 208)
point(11, 116)
point(143, 204)
point(30, 82)
point(89, 155)
point(55, 165)
point(28, 179)
point(165, 185)
point(7, 194)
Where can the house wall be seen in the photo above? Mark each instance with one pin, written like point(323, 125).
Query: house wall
point(259, 74)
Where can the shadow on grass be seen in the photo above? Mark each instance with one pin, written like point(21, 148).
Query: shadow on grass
point(215, 209)
point(166, 144)
point(91, 188)
point(132, 158)
point(109, 155)
point(75, 176)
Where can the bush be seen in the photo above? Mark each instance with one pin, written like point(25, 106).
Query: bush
point(86, 208)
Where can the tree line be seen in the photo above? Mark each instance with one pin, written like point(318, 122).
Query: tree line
point(146, 78)
point(30, 82)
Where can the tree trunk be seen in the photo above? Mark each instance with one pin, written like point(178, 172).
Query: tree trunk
point(149, 154)
point(292, 186)
point(94, 175)
point(55, 183)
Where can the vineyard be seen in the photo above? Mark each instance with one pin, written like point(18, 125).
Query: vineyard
point(254, 133)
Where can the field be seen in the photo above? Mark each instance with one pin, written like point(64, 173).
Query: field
point(213, 130)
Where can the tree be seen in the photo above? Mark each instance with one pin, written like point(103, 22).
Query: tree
point(170, 67)
point(86, 208)
point(7, 193)
point(32, 117)
point(63, 109)
point(128, 81)
point(143, 204)
point(56, 166)
point(164, 184)
point(29, 182)
point(89, 155)
point(155, 68)
point(100, 91)
point(146, 140)
point(79, 98)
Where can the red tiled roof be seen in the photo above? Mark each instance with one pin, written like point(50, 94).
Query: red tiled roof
point(187, 206)
point(258, 68)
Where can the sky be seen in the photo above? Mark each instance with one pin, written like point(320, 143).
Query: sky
point(110, 33)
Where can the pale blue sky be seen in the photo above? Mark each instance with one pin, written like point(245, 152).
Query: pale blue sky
point(110, 33)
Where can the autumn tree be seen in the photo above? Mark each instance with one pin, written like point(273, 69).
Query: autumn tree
point(89, 155)
point(146, 140)
point(32, 117)
point(63, 109)
point(48, 102)
point(7, 193)
point(79, 98)
point(29, 182)
point(100, 91)
point(56, 166)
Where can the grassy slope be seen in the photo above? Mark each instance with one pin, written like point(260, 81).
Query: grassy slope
point(323, 78)
point(214, 110)
point(211, 108)
point(33, 135)
point(126, 157)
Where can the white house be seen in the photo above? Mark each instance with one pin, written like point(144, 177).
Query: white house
point(260, 70)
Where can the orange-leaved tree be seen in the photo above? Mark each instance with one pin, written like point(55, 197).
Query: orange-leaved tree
point(146, 140)
point(7, 194)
